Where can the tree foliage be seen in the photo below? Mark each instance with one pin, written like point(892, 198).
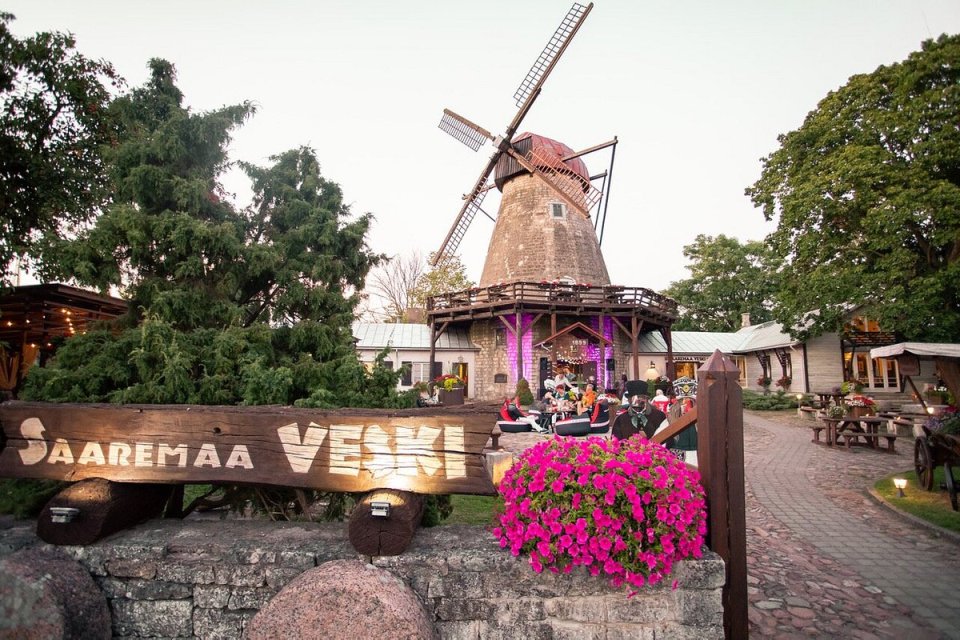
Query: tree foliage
point(866, 195)
point(227, 306)
point(447, 275)
point(727, 279)
point(53, 124)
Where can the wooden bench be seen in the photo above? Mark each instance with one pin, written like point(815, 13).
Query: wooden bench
point(808, 413)
point(817, 428)
point(873, 439)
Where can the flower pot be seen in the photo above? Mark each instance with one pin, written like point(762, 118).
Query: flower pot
point(859, 412)
point(453, 396)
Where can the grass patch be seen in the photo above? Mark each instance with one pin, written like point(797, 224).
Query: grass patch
point(473, 509)
point(932, 506)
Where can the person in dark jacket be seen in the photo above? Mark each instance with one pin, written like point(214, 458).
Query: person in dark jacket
point(641, 417)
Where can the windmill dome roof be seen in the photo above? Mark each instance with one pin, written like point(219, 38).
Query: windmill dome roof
point(550, 153)
point(554, 149)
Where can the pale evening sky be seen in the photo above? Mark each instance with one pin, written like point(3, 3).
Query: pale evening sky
point(696, 91)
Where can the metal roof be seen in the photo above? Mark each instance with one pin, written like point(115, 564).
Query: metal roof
point(399, 335)
point(705, 342)
point(768, 335)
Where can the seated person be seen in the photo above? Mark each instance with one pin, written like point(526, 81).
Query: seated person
point(511, 412)
point(660, 401)
point(589, 397)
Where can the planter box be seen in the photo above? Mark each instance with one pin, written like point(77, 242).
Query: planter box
point(454, 396)
point(859, 412)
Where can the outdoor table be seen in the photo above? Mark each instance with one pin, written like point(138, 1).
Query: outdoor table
point(867, 426)
point(831, 424)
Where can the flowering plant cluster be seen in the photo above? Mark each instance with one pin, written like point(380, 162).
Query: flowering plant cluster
point(626, 508)
point(764, 381)
point(860, 401)
point(784, 382)
point(947, 423)
point(836, 411)
point(448, 381)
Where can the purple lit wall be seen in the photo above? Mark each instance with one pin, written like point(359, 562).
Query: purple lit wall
point(526, 320)
point(594, 353)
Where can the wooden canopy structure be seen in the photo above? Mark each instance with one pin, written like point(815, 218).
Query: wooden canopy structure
point(34, 319)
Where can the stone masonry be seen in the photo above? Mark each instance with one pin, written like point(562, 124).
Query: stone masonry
point(207, 579)
point(530, 245)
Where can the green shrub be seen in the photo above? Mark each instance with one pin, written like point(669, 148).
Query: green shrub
point(24, 498)
point(778, 401)
point(523, 392)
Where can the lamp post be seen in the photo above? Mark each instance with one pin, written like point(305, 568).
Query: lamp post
point(900, 484)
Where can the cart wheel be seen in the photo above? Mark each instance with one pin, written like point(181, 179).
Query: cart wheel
point(951, 484)
point(923, 463)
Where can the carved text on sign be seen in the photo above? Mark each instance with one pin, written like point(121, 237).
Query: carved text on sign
point(433, 454)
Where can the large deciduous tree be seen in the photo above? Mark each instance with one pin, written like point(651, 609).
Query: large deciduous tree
point(866, 196)
point(53, 125)
point(727, 279)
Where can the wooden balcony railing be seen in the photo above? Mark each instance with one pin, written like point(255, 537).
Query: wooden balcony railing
point(560, 294)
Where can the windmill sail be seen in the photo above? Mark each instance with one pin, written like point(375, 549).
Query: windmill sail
point(548, 57)
point(474, 136)
point(468, 133)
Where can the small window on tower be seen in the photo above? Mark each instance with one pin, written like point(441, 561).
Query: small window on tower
point(558, 210)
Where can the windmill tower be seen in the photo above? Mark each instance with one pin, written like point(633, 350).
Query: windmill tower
point(544, 230)
point(545, 304)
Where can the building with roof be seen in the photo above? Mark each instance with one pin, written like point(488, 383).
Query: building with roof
point(408, 345)
point(767, 351)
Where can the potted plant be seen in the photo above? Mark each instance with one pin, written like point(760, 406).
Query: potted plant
point(450, 387)
point(784, 382)
point(764, 381)
point(859, 406)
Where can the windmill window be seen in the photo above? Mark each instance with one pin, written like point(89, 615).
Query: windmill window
point(558, 210)
point(499, 337)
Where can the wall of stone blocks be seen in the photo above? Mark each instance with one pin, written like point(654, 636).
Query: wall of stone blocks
point(207, 579)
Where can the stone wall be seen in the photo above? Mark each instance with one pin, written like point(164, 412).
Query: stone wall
point(207, 579)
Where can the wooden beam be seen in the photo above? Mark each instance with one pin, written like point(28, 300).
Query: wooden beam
point(686, 420)
point(503, 321)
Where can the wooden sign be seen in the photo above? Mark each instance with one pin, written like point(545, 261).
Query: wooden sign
point(435, 450)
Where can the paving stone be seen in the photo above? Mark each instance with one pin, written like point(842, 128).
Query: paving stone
point(808, 520)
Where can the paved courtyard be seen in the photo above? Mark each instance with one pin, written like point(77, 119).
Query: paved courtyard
point(824, 558)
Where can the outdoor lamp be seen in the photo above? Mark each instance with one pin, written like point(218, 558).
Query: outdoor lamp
point(900, 483)
point(380, 509)
point(931, 410)
point(62, 515)
point(652, 372)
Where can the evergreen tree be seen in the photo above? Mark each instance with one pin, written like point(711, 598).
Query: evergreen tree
point(227, 307)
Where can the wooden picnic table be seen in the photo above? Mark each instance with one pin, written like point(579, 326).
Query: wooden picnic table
point(829, 397)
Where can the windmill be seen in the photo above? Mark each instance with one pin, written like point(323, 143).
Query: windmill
point(561, 177)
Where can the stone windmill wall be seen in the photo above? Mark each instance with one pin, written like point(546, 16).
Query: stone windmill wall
point(532, 243)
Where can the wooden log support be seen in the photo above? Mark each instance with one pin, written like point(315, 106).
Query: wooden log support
point(385, 535)
point(720, 454)
point(102, 508)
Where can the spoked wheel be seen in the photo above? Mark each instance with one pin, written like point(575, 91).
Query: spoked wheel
point(923, 463)
point(951, 484)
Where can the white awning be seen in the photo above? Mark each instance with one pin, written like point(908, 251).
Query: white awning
point(928, 349)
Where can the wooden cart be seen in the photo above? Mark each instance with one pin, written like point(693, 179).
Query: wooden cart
point(932, 450)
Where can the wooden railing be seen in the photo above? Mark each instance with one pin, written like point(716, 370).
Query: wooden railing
point(553, 293)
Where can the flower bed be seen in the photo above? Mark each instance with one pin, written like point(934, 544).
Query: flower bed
point(625, 508)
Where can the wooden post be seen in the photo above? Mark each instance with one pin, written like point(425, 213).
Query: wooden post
point(720, 455)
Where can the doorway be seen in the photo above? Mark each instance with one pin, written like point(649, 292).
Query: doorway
point(460, 368)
